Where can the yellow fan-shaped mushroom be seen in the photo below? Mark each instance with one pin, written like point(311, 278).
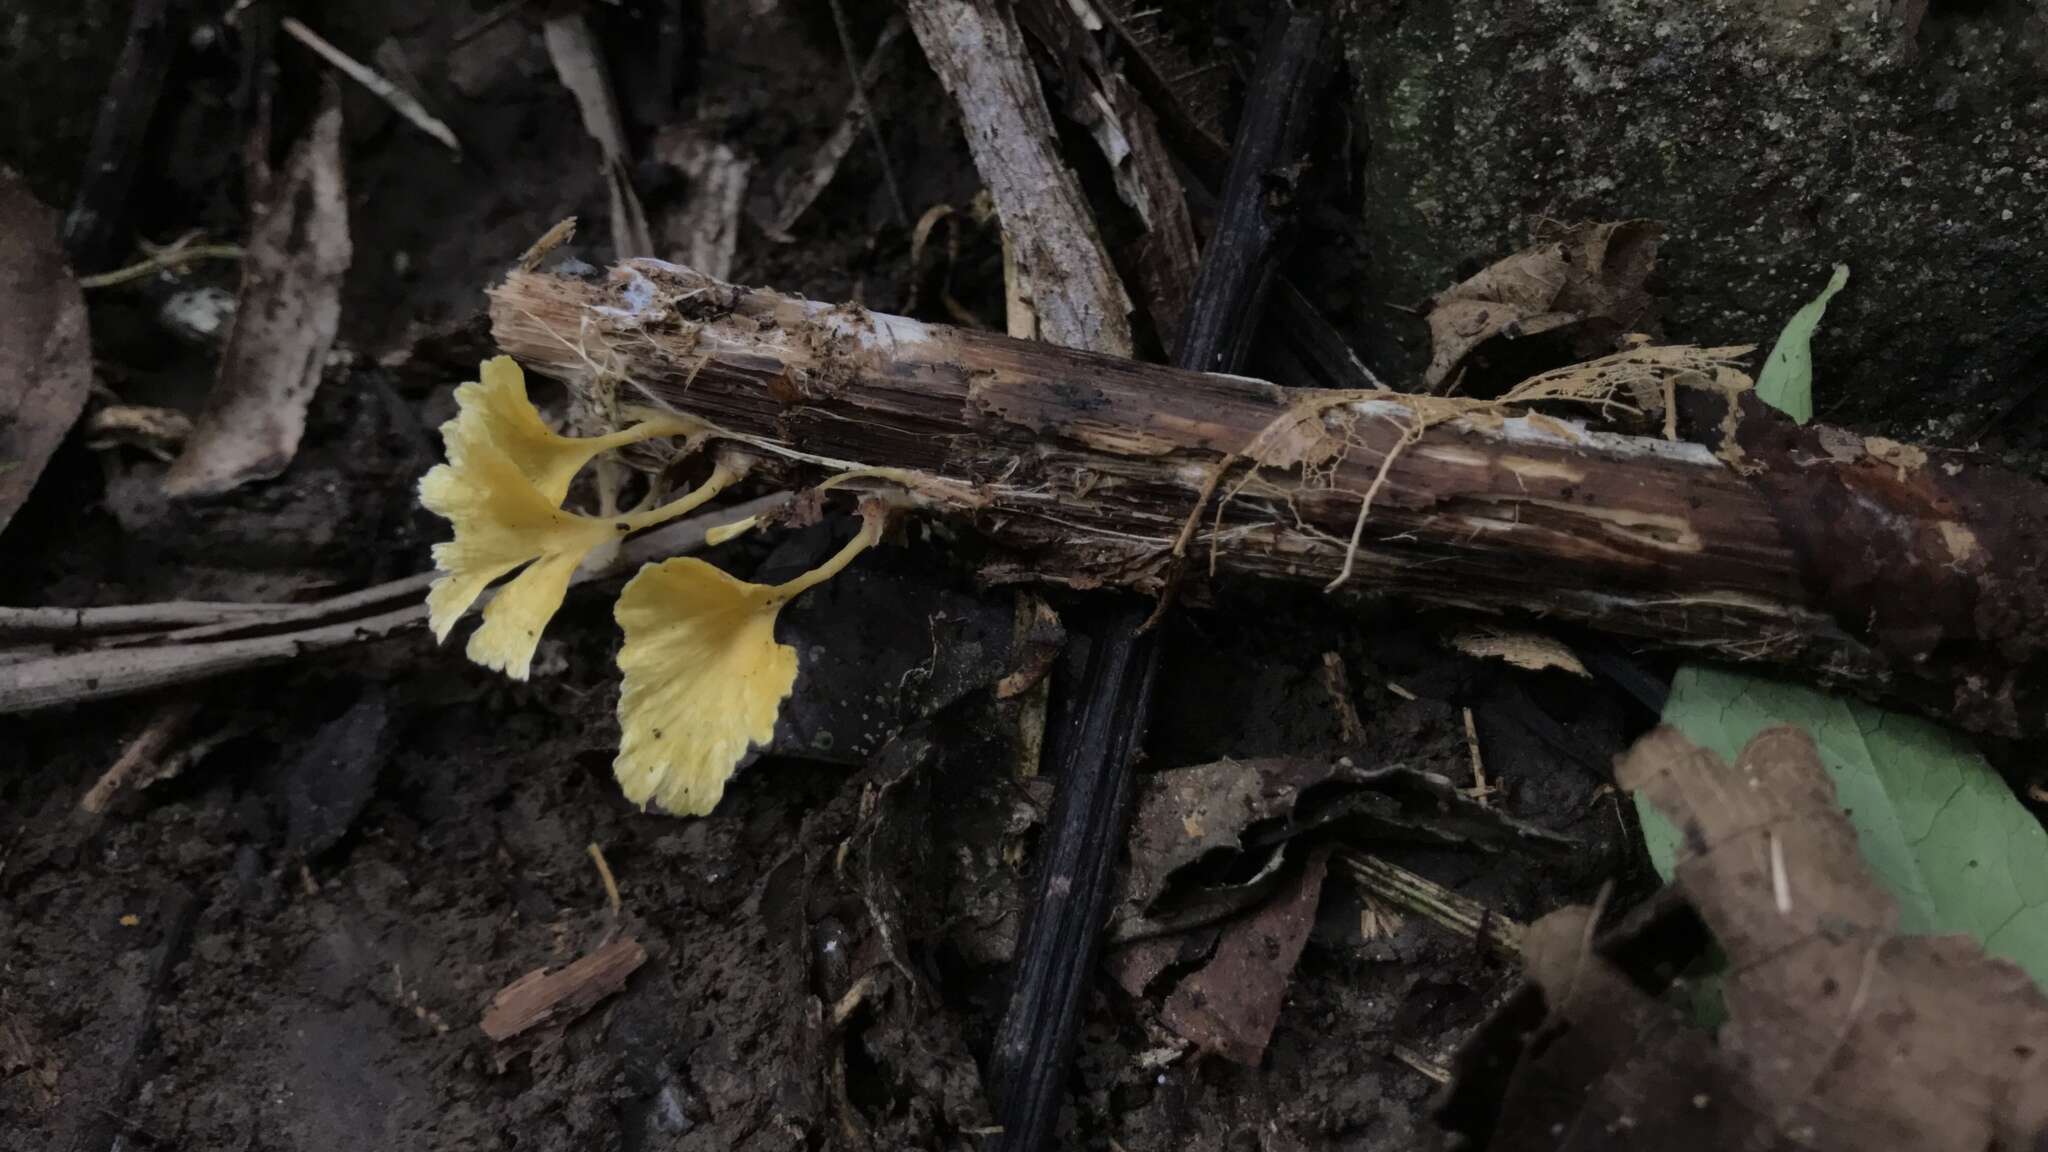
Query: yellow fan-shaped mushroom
point(704, 677)
point(503, 502)
point(494, 409)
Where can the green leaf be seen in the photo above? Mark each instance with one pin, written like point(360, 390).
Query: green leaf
point(1786, 382)
point(1937, 825)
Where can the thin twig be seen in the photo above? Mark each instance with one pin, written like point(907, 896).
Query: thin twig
point(1430, 1069)
point(47, 680)
point(1480, 790)
point(168, 257)
point(604, 873)
point(866, 110)
point(21, 624)
point(401, 101)
point(148, 744)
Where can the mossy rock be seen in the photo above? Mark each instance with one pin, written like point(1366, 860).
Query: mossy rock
point(1775, 138)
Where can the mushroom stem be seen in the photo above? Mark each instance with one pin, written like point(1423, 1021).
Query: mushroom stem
point(870, 531)
point(720, 477)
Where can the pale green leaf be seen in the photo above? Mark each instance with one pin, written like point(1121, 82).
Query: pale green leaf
point(1786, 382)
point(1937, 825)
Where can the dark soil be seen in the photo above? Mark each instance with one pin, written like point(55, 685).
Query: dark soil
point(267, 952)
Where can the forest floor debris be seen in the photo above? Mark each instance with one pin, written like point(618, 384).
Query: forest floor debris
point(384, 846)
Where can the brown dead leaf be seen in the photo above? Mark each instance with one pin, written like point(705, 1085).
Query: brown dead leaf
point(1904, 457)
point(1589, 277)
point(1231, 1005)
point(1187, 813)
point(45, 350)
point(1609, 1067)
point(289, 308)
point(1853, 1035)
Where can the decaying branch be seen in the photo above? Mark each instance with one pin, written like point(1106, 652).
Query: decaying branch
point(1853, 561)
point(978, 53)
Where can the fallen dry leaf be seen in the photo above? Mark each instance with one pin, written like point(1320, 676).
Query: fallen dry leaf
point(45, 350)
point(1231, 1005)
point(1841, 1033)
point(1860, 1036)
point(1609, 1067)
point(1202, 811)
point(1589, 277)
point(289, 308)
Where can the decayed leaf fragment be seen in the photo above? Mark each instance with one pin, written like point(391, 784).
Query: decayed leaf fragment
point(1935, 822)
point(1591, 276)
point(289, 311)
point(502, 487)
point(45, 350)
point(1854, 1035)
point(704, 677)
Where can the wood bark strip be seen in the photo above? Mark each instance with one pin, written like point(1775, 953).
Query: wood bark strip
point(541, 996)
point(978, 53)
point(1095, 95)
point(1849, 561)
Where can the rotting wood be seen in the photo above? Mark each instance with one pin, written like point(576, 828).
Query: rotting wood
point(1917, 583)
point(978, 53)
point(544, 997)
point(1165, 259)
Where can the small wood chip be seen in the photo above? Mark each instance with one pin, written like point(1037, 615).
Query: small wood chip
point(541, 996)
point(1480, 789)
point(1529, 650)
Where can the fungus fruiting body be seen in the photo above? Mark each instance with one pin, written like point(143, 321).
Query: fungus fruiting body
point(502, 489)
point(704, 677)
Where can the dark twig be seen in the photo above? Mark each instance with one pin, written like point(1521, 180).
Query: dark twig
point(126, 112)
point(1096, 750)
point(1237, 264)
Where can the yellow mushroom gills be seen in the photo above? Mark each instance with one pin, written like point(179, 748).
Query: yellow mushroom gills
point(704, 675)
